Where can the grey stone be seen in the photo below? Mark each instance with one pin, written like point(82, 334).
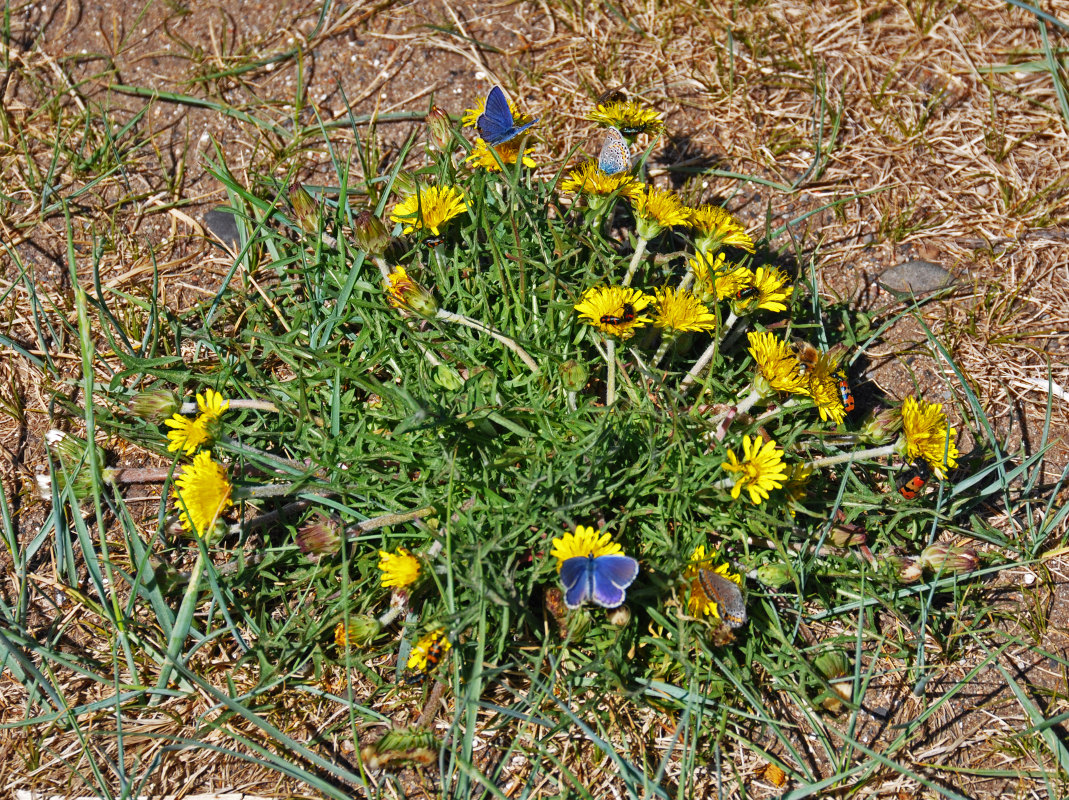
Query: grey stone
point(915, 277)
point(221, 222)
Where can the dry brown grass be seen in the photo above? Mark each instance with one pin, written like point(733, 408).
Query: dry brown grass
point(969, 162)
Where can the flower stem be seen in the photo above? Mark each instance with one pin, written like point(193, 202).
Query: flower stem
point(707, 356)
point(751, 399)
point(182, 622)
point(610, 372)
point(261, 405)
point(640, 250)
point(460, 319)
point(384, 270)
point(387, 519)
point(666, 342)
point(842, 458)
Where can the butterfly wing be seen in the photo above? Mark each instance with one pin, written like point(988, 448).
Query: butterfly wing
point(615, 155)
point(730, 602)
point(575, 577)
point(611, 577)
point(496, 125)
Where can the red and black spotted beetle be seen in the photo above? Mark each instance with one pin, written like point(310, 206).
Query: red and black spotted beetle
point(746, 292)
point(910, 484)
point(435, 651)
point(845, 394)
point(627, 314)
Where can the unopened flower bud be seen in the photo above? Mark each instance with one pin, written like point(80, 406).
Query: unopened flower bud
point(403, 292)
point(835, 666)
point(880, 426)
point(905, 569)
point(619, 616)
point(155, 405)
point(573, 375)
point(320, 536)
point(440, 128)
point(448, 378)
point(305, 209)
point(948, 558)
point(361, 630)
point(846, 535)
point(774, 575)
point(579, 624)
point(404, 184)
point(168, 579)
point(370, 234)
point(401, 747)
point(72, 455)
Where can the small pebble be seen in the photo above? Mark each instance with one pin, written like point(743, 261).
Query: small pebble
point(220, 221)
point(915, 277)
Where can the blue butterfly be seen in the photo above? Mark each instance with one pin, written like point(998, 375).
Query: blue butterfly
point(615, 154)
point(496, 125)
point(730, 602)
point(603, 579)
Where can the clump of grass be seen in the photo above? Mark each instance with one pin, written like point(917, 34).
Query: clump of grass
point(402, 436)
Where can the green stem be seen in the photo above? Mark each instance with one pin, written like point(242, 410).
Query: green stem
point(610, 372)
point(748, 403)
point(383, 269)
point(183, 621)
point(460, 319)
point(707, 356)
point(842, 458)
point(640, 250)
point(666, 342)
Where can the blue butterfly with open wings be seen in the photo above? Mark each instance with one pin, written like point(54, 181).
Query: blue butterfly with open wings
point(603, 579)
point(496, 125)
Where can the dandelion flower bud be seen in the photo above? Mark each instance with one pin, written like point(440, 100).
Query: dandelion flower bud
point(320, 536)
point(774, 575)
point(370, 234)
point(440, 128)
point(573, 375)
point(305, 209)
point(904, 568)
point(948, 558)
point(881, 426)
point(155, 405)
point(361, 630)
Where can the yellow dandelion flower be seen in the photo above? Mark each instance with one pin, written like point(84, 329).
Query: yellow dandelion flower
point(188, 435)
point(682, 311)
point(768, 291)
point(797, 483)
point(657, 209)
point(714, 227)
point(429, 209)
point(699, 603)
point(212, 404)
point(736, 285)
point(614, 310)
point(628, 116)
point(201, 494)
point(428, 651)
point(588, 179)
point(927, 435)
point(824, 389)
point(777, 363)
point(507, 152)
point(398, 569)
point(403, 292)
point(586, 541)
point(761, 470)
